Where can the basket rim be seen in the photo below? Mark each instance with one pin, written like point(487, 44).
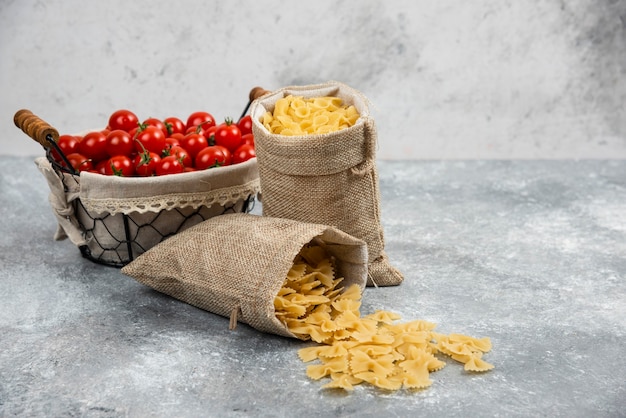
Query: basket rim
point(113, 194)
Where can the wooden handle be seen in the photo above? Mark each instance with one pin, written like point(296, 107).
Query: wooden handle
point(257, 92)
point(35, 127)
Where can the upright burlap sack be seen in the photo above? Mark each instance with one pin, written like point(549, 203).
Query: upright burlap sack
point(234, 265)
point(331, 179)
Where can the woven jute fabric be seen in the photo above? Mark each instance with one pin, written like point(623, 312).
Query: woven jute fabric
point(234, 265)
point(330, 179)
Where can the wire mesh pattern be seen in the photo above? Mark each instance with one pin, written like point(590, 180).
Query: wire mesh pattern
point(117, 239)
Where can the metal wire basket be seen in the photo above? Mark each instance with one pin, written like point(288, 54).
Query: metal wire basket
point(116, 237)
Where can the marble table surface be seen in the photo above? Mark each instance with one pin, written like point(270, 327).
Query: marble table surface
point(529, 253)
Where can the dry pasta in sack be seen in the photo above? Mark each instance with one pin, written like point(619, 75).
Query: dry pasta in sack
point(315, 150)
point(235, 265)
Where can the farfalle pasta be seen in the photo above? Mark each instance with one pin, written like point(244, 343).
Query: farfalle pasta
point(296, 115)
point(356, 348)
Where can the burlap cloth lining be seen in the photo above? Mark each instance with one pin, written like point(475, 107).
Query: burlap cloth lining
point(114, 194)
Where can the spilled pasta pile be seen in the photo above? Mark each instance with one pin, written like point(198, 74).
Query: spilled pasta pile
point(295, 115)
point(371, 348)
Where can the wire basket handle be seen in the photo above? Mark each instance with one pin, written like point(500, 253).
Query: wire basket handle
point(42, 132)
point(35, 127)
point(255, 93)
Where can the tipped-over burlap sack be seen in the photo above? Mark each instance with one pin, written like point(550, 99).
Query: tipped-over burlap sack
point(331, 179)
point(234, 265)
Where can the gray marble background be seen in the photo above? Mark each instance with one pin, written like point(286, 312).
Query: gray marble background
point(447, 80)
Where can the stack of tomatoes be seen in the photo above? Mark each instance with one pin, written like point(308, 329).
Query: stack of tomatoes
point(155, 147)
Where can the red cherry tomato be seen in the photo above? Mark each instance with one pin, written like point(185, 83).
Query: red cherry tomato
point(247, 139)
point(145, 163)
point(200, 118)
point(120, 165)
point(119, 142)
point(193, 130)
point(228, 135)
point(100, 167)
point(203, 130)
point(133, 132)
point(151, 138)
point(171, 142)
point(243, 153)
point(123, 119)
point(80, 162)
point(245, 125)
point(194, 143)
point(169, 165)
point(213, 156)
point(228, 156)
point(68, 145)
point(94, 146)
point(156, 123)
point(182, 155)
point(209, 134)
point(174, 126)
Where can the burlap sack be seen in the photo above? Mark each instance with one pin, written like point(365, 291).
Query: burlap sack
point(113, 219)
point(234, 265)
point(331, 179)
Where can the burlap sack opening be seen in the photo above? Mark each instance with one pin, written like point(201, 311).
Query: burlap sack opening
point(234, 265)
point(113, 219)
point(331, 179)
